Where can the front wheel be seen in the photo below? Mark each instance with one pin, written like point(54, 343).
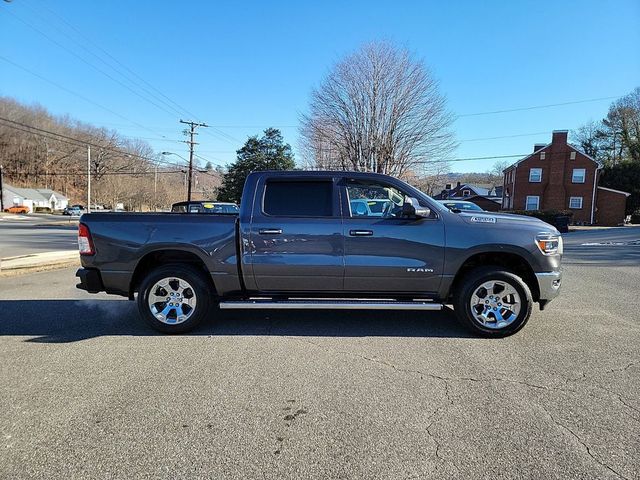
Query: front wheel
point(493, 302)
point(174, 298)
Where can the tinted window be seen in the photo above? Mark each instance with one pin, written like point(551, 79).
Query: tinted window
point(374, 200)
point(299, 199)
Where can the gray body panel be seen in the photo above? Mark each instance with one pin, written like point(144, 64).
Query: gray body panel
point(315, 256)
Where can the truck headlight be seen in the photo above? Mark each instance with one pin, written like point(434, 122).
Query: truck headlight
point(549, 243)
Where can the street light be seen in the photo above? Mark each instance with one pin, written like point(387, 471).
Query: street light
point(171, 153)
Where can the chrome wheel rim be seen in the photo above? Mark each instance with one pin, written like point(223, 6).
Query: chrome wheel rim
point(172, 300)
point(495, 304)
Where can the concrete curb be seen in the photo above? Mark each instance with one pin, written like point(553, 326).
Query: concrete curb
point(38, 261)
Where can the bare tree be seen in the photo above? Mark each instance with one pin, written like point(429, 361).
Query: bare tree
point(378, 110)
point(54, 155)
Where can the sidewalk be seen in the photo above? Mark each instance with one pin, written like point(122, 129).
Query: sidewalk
point(38, 261)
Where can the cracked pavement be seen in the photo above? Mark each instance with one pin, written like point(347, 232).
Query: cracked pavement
point(90, 392)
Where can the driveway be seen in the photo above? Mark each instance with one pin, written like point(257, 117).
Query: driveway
point(90, 392)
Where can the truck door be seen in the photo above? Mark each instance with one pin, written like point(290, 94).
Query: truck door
point(384, 251)
point(296, 242)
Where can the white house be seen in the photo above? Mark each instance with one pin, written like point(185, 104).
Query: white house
point(33, 197)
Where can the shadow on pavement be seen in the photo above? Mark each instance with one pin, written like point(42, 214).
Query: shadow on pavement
point(61, 321)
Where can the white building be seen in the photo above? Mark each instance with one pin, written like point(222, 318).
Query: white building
point(33, 197)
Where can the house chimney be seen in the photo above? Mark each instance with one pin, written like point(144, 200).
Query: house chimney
point(458, 185)
point(559, 137)
point(538, 146)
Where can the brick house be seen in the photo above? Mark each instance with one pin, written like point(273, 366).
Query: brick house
point(558, 176)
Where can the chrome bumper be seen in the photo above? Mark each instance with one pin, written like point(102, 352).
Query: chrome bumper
point(549, 285)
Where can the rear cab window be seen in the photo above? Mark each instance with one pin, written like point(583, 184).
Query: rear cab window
point(299, 198)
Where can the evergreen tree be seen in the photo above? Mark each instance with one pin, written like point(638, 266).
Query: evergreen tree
point(268, 152)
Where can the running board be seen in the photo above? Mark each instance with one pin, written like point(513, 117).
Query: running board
point(327, 305)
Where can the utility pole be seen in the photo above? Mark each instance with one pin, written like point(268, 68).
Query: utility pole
point(88, 178)
point(1, 192)
point(155, 190)
point(191, 143)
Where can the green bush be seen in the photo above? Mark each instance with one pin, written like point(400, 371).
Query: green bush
point(635, 217)
point(42, 210)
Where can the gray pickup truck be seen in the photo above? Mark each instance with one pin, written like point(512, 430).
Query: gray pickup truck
point(325, 240)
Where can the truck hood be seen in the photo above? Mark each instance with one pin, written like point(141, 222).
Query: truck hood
point(494, 218)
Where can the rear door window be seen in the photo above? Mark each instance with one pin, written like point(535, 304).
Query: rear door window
point(299, 198)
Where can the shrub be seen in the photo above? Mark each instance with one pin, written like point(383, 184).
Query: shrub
point(549, 216)
point(42, 210)
point(635, 217)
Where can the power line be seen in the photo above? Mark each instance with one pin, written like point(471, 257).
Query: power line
point(75, 174)
point(82, 97)
point(114, 59)
point(535, 107)
point(100, 70)
point(505, 136)
point(221, 134)
point(74, 141)
point(82, 142)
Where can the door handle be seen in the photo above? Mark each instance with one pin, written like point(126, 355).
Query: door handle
point(270, 231)
point(360, 233)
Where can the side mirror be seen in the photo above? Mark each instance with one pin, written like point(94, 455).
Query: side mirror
point(412, 208)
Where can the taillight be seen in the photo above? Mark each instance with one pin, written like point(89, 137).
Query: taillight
point(85, 242)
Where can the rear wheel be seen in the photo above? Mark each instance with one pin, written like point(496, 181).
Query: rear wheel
point(174, 298)
point(493, 302)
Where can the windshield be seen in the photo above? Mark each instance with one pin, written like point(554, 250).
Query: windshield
point(464, 206)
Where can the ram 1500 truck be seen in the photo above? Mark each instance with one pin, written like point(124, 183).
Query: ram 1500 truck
point(325, 240)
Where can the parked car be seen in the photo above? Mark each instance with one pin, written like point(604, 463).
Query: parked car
point(297, 245)
point(17, 209)
point(203, 206)
point(461, 205)
point(74, 211)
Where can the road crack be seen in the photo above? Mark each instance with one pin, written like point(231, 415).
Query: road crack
point(445, 379)
point(581, 442)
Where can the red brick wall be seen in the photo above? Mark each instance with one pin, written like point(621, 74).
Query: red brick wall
point(556, 186)
point(610, 208)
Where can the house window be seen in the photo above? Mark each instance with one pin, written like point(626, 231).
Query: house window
point(533, 202)
point(466, 193)
point(578, 175)
point(543, 155)
point(575, 202)
point(535, 175)
point(447, 186)
point(572, 156)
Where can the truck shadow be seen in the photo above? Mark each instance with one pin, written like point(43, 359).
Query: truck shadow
point(62, 321)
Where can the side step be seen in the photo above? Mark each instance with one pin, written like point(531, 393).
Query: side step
point(263, 304)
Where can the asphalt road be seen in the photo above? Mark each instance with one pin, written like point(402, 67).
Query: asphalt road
point(90, 392)
point(26, 234)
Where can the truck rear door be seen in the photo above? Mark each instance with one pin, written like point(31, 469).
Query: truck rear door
point(295, 239)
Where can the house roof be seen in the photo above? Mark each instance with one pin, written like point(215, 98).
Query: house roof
point(626, 194)
point(542, 148)
point(35, 193)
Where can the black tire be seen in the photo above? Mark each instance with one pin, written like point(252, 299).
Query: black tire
point(472, 282)
point(199, 286)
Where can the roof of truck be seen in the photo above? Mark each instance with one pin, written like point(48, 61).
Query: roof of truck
point(320, 173)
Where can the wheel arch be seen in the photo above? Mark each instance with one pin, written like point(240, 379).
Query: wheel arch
point(512, 261)
point(166, 256)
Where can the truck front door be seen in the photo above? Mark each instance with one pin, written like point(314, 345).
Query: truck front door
point(384, 251)
point(295, 242)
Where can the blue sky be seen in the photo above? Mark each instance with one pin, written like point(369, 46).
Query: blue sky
point(244, 66)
